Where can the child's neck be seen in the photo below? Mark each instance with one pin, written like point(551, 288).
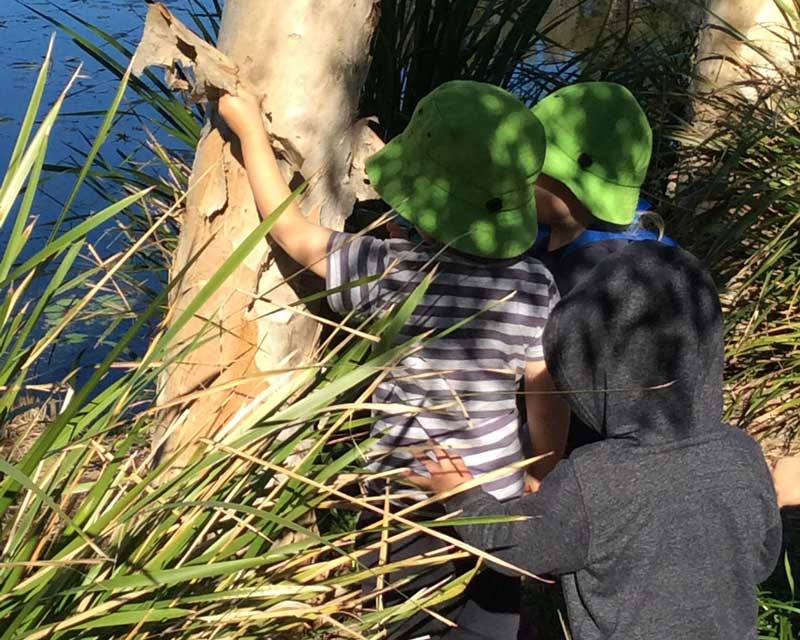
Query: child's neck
point(563, 233)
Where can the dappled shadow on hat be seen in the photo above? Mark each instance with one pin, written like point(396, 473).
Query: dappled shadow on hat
point(594, 121)
point(599, 144)
point(464, 169)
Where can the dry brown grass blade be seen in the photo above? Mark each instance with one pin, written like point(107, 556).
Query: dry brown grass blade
point(367, 506)
point(307, 314)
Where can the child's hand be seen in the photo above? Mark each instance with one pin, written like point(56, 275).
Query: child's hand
point(532, 484)
point(242, 113)
point(786, 476)
point(448, 471)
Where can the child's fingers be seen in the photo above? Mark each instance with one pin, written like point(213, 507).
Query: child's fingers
point(446, 463)
point(446, 458)
point(423, 482)
point(531, 484)
point(432, 466)
point(449, 460)
point(440, 452)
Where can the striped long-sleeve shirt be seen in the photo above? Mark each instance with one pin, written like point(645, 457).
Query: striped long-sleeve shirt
point(462, 386)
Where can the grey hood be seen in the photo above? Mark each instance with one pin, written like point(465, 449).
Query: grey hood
point(637, 347)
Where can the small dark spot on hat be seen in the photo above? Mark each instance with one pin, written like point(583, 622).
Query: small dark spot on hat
point(493, 205)
point(421, 110)
point(585, 161)
point(366, 181)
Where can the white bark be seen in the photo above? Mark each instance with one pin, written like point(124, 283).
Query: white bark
point(744, 40)
point(309, 58)
point(576, 26)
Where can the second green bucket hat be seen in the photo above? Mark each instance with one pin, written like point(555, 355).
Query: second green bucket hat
point(464, 168)
point(598, 144)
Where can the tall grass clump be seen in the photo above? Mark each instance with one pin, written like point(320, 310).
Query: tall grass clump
point(736, 202)
point(420, 45)
point(162, 162)
point(779, 607)
point(99, 541)
point(159, 165)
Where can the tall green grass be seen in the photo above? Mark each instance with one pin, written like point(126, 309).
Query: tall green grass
point(779, 612)
point(736, 203)
point(419, 45)
point(96, 543)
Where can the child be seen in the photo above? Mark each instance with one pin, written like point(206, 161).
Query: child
point(664, 528)
point(463, 173)
point(598, 151)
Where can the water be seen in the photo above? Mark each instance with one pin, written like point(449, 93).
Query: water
point(24, 38)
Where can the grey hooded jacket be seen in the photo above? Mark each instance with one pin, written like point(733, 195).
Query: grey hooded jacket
point(664, 528)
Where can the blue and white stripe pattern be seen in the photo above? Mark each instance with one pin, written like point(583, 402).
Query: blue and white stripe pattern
point(465, 382)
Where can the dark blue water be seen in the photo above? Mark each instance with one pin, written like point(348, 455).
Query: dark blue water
point(24, 38)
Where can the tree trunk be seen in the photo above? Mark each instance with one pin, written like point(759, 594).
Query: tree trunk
point(579, 26)
point(743, 40)
point(744, 49)
point(309, 58)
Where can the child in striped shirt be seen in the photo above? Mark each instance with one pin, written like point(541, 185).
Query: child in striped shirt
point(463, 174)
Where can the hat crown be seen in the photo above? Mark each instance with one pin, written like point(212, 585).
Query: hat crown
point(598, 144)
point(463, 170)
point(602, 127)
point(478, 133)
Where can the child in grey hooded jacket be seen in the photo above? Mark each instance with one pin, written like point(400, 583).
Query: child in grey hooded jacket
point(664, 528)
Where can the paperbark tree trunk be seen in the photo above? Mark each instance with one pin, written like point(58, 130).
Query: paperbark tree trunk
point(578, 26)
point(744, 50)
point(309, 58)
point(744, 40)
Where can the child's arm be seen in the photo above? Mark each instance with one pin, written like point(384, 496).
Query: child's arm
point(553, 538)
point(786, 477)
point(548, 418)
point(304, 241)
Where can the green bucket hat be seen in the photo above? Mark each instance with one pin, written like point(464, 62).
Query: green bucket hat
point(464, 168)
point(598, 144)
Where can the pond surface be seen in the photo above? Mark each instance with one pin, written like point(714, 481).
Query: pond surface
point(24, 38)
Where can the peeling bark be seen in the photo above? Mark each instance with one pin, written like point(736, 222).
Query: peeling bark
point(166, 42)
point(310, 59)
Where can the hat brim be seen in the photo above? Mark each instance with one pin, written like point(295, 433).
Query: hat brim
point(415, 188)
point(608, 201)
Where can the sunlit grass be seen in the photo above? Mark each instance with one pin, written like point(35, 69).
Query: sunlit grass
point(99, 540)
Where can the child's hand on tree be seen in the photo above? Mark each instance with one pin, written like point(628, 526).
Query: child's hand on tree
point(786, 476)
point(304, 240)
point(242, 113)
point(447, 471)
